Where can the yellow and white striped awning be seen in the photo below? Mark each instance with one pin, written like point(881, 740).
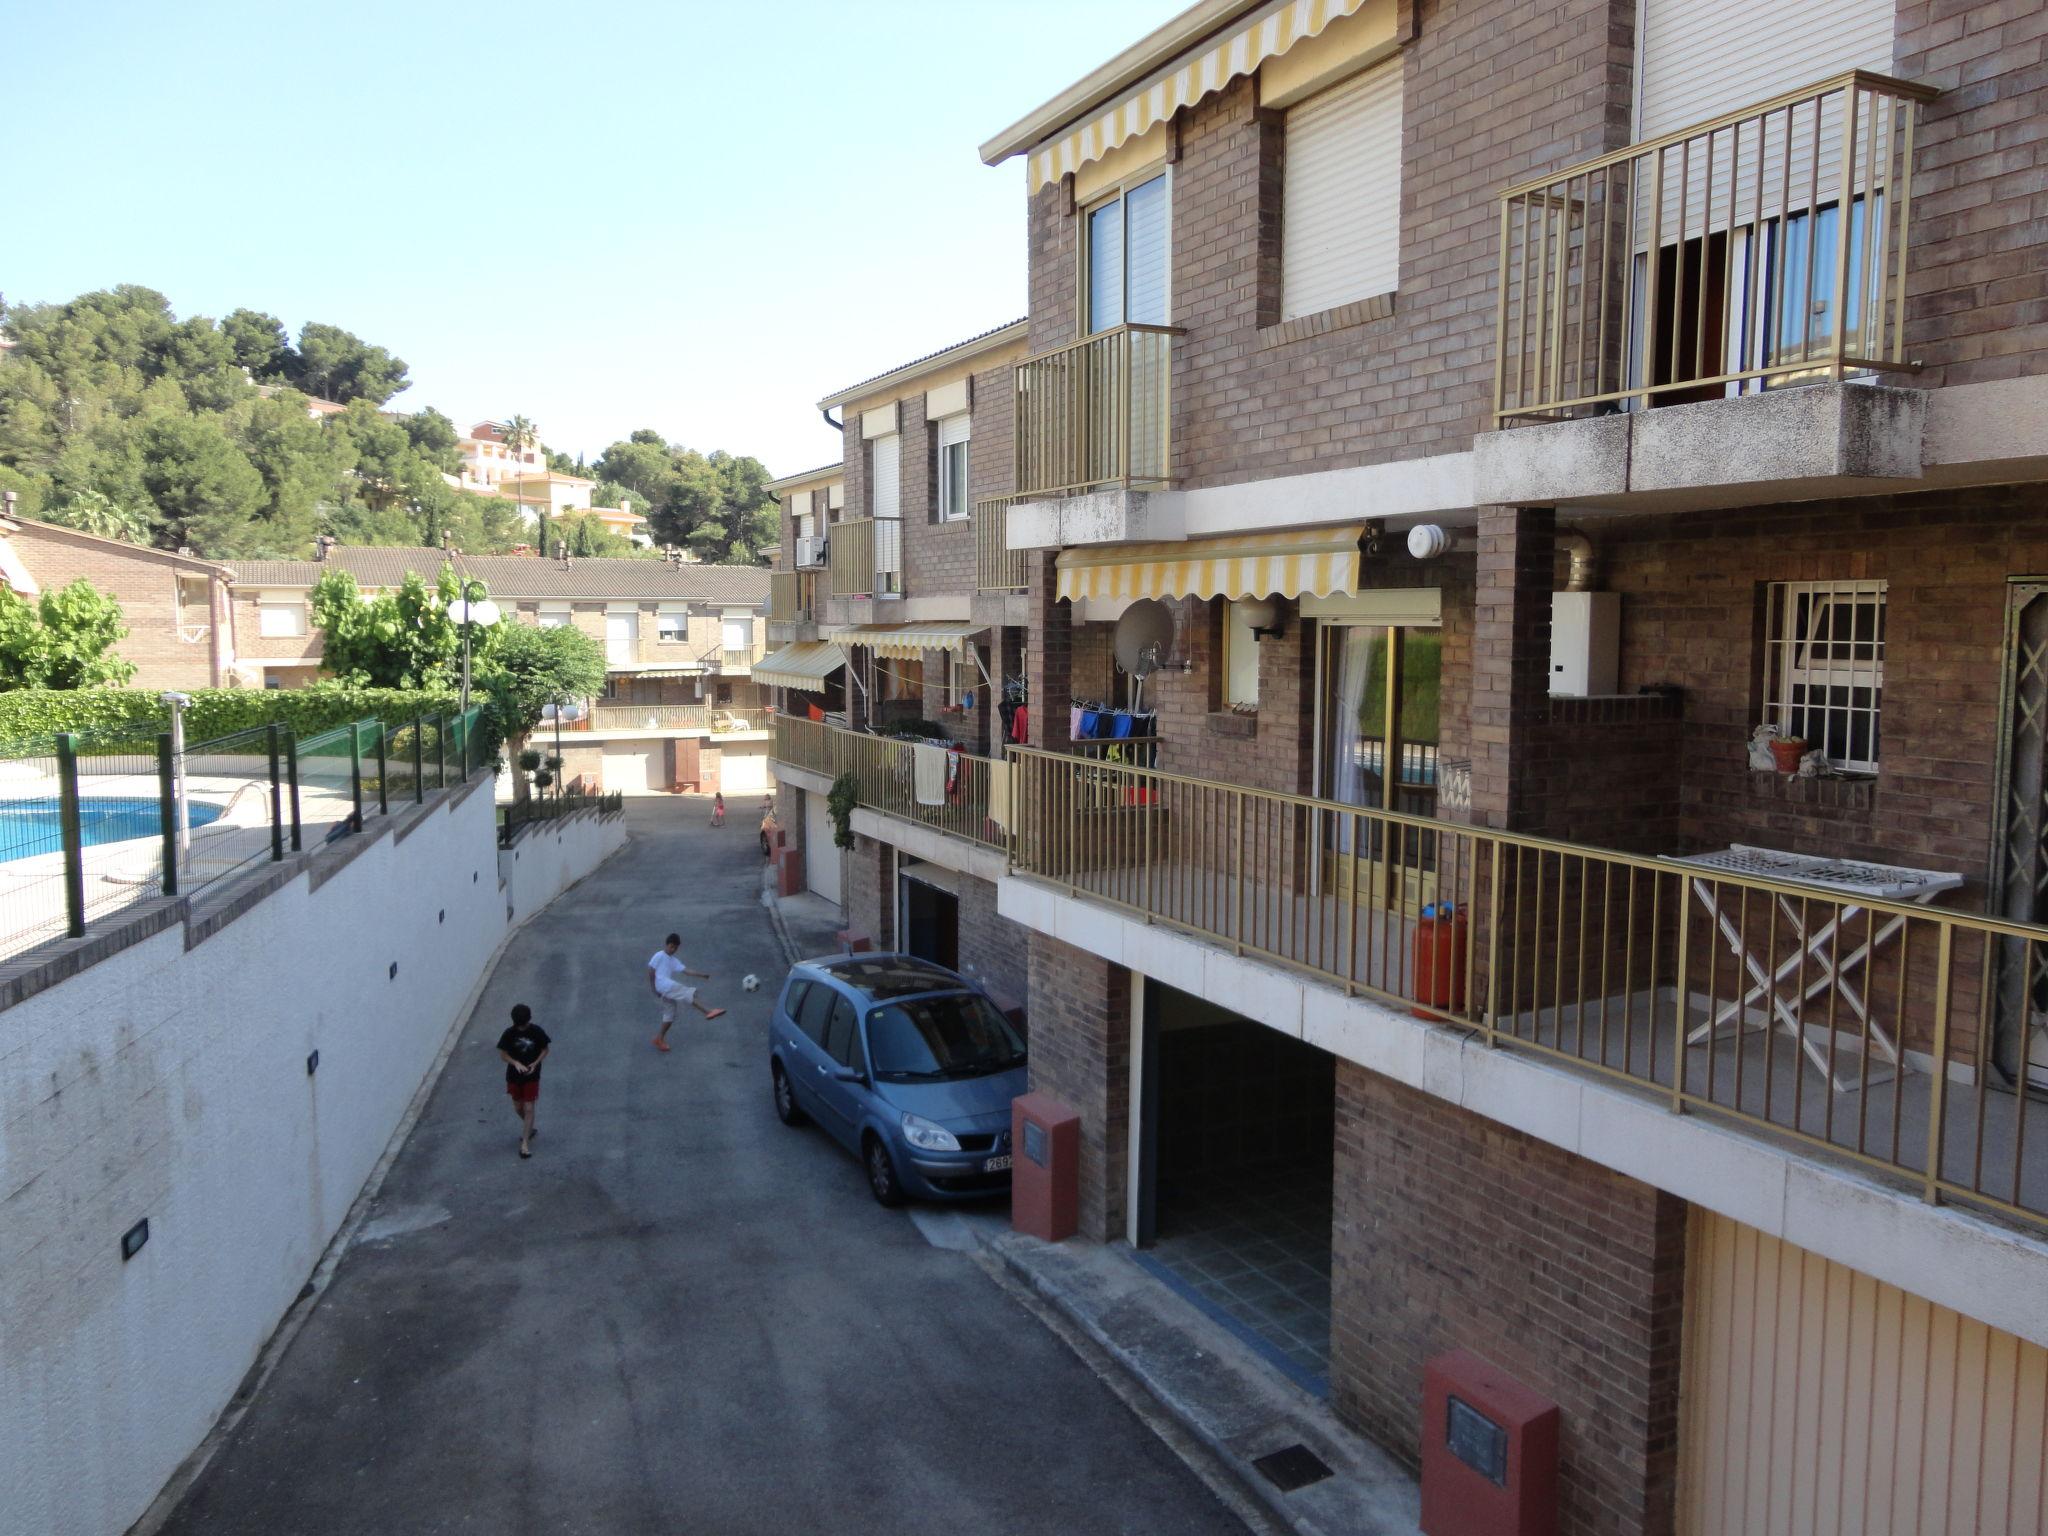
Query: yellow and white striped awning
point(1209, 69)
point(805, 664)
point(908, 642)
point(1317, 563)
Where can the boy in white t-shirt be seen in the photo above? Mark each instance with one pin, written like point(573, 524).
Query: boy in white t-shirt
point(666, 975)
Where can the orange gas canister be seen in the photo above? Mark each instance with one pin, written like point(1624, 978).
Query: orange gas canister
point(1439, 959)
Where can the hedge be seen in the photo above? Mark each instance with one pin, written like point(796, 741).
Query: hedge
point(31, 717)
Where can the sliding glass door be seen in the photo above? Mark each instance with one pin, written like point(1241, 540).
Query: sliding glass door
point(1378, 727)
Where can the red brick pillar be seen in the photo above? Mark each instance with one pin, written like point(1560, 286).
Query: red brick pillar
point(1510, 709)
point(1081, 1056)
point(1453, 1232)
point(1049, 655)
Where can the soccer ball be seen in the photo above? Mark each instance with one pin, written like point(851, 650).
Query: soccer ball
point(751, 984)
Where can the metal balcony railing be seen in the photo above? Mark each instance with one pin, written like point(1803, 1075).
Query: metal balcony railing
point(677, 717)
point(785, 596)
point(997, 567)
point(853, 558)
point(1096, 413)
point(1764, 247)
point(954, 802)
point(1865, 1027)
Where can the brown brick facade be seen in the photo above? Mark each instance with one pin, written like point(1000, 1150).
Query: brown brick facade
point(1452, 1232)
point(1080, 1010)
point(173, 641)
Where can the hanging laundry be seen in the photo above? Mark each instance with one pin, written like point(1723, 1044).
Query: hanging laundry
point(1020, 724)
point(928, 773)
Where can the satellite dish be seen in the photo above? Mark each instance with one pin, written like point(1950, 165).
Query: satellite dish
point(1144, 638)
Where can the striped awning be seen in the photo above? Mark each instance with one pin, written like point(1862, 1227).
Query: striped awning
point(1205, 71)
point(805, 664)
point(907, 642)
point(1317, 563)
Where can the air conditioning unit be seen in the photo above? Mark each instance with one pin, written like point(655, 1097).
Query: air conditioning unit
point(806, 552)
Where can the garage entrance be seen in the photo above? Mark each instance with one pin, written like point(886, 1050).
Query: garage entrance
point(821, 853)
point(928, 919)
point(1237, 1130)
point(632, 766)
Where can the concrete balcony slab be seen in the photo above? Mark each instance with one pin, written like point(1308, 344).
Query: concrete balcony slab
point(1097, 517)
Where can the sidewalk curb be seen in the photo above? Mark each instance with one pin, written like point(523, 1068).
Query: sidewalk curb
point(1242, 1475)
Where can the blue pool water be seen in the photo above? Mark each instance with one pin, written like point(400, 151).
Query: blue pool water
point(30, 827)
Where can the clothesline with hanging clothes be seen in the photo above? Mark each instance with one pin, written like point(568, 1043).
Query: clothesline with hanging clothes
point(1092, 722)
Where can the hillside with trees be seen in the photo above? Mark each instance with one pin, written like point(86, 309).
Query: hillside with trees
point(120, 419)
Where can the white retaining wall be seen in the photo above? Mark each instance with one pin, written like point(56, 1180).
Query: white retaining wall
point(172, 1084)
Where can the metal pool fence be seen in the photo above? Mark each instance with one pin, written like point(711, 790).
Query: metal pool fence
point(103, 820)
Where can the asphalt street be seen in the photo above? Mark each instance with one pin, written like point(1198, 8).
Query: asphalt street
point(679, 1316)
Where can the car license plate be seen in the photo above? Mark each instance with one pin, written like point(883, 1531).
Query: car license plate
point(997, 1164)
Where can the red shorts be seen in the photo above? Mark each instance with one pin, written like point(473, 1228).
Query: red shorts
point(524, 1090)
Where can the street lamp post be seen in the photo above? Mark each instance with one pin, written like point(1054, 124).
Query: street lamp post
point(464, 612)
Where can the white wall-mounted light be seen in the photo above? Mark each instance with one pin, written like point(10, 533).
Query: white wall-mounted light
point(1261, 616)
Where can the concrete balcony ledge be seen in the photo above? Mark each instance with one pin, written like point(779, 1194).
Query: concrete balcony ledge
point(1097, 517)
point(1946, 1253)
point(1789, 445)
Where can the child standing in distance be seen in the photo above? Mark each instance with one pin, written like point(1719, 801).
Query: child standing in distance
point(665, 979)
point(523, 1048)
point(718, 808)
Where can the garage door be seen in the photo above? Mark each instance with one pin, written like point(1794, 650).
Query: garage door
point(821, 854)
point(744, 770)
point(631, 765)
point(1818, 1399)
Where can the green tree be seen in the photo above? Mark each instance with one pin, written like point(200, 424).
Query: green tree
point(434, 438)
point(528, 669)
point(520, 434)
point(399, 639)
point(206, 491)
point(259, 341)
point(89, 511)
point(338, 365)
point(66, 640)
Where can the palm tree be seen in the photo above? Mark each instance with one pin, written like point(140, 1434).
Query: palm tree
point(520, 434)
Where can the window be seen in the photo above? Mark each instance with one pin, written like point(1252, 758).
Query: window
point(738, 634)
point(842, 1036)
point(1340, 226)
point(1824, 667)
point(672, 624)
point(886, 509)
point(1240, 659)
point(817, 1012)
point(898, 679)
point(280, 620)
point(793, 999)
point(936, 1037)
point(553, 616)
point(953, 502)
point(1126, 257)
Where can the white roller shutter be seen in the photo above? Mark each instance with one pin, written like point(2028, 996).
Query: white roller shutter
point(1340, 228)
point(882, 498)
point(1701, 60)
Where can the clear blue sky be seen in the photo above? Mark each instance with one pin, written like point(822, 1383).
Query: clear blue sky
point(603, 215)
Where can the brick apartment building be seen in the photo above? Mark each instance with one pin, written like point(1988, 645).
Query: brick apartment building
point(1482, 428)
point(680, 708)
point(177, 608)
point(888, 626)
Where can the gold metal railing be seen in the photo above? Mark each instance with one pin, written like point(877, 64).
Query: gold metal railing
point(997, 567)
point(1712, 261)
point(785, 596)
point(676, 717)
point(853, 558)
point(954, 798)
point(1096, 413)
point(1890, 1033)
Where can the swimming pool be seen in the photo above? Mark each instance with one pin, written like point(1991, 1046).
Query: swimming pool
point(30, 827)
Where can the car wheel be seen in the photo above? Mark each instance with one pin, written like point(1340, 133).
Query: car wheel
point(882, 1173)
point(786, 1107)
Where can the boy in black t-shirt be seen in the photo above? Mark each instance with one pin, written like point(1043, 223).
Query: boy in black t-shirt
point(524, 1047)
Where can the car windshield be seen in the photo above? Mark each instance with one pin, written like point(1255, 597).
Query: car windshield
point(954, 1035)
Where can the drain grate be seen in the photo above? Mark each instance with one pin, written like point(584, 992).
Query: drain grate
point(1295, 1467)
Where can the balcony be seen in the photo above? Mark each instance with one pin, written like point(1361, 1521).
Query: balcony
point(887, 771)
point(853, 558)
point(1763, 248)
point(1096, 414)
point(734, 663)
point(676, 717)
point(997, 567)
point(785, 597)
point(1860, 1027)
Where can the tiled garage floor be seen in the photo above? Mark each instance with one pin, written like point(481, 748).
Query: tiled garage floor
point(1256, 1248)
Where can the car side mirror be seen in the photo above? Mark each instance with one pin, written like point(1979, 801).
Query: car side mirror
point(849, 1075)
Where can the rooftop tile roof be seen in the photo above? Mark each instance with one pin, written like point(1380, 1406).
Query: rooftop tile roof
point(517, 576)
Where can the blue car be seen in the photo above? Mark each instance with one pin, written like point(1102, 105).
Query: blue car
point(911, 1067)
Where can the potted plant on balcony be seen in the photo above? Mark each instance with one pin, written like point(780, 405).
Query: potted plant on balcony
point(1786, 751)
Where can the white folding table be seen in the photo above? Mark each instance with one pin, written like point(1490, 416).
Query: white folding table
point(1850, 878)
